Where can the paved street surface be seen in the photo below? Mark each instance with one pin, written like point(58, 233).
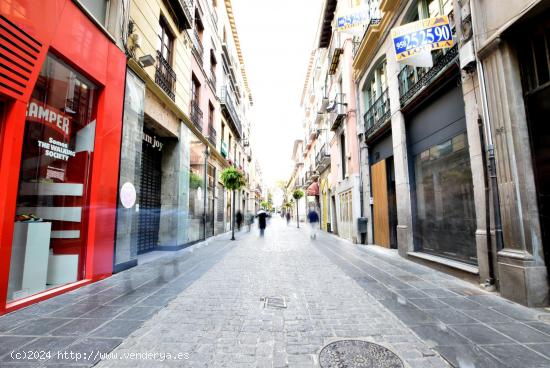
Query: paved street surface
point(205, 307)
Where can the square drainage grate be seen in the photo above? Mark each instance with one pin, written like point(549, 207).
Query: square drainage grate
point(277, 302)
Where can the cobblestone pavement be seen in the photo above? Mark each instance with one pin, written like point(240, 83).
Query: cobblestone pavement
point(205, 308)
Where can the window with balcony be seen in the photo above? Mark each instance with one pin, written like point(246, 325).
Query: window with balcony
point(213, 64)
point(196, 112)
point(412, 79)
point(211, 130)
point(165, 76)
point(377, 103)
point(196, 38)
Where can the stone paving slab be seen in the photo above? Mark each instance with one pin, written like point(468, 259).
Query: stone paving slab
point(96, 318)
point(466, 325)
point(221, 319)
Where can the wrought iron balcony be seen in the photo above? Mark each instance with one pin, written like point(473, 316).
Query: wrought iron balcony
point(377, 115)
point(311, 175)
point(322, 159)
point(165, 76)
point(212, 135)
point(412, 80)
point(338, 109)
point(198, 50)
point(182, 11)
point(375, 19)
point(196, 114)
point(212, 79)
point(230, 111)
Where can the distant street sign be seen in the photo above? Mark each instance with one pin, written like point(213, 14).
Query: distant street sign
point(422, 36)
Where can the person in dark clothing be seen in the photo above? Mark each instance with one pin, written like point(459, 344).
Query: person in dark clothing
point(313, 219)
point(287, 218)
point(262, 221)
point(239, 219)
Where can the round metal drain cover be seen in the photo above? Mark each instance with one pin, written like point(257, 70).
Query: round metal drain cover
point(357, 353)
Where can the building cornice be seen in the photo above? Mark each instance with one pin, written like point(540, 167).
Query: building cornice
point(229, 8)
point(367, 49)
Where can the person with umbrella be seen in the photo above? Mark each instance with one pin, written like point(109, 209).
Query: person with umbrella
point(262, 221)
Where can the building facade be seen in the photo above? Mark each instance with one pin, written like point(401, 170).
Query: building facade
point(176, 126)
point(61, 103)
point(428, 141)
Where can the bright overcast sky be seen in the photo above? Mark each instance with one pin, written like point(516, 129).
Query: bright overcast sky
point(276, 40)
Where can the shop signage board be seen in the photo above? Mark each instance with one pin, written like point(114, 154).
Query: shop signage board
point(353, 19)
point(422, 36)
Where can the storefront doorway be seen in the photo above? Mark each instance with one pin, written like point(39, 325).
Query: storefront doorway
point(384, 203)
point(536, 86)
point(149, 196)
point(443, 196)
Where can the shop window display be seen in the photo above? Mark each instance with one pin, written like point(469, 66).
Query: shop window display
point(446, 221)
point(49, 239)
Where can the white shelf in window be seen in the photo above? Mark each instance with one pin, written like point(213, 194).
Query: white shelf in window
point(65, 234)
point(52, 189)
point(71, 214)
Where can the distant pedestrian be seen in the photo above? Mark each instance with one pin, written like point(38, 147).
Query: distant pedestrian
point(287, 218)
point(313, 219)
point(262, 221)
point(239, 219)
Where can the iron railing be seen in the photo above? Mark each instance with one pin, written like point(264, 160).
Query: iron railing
point(357, 41)
point(322, 158)
point(212, 135)
point(196, 114)
point(165, 76)
point(198, 50)
point(377, 114)
point(229, 106)
point(413, 79)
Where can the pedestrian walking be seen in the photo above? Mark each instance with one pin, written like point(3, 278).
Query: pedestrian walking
point(262, 221)
point(313, 219)
point(249, 220)
point(239, 219)
point(288, 218)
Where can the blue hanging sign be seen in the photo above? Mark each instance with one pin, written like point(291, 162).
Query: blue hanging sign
point(423, 35)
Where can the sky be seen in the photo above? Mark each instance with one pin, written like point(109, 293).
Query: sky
point(276, 39)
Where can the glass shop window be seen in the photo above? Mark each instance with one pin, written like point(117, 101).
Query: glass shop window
point(50, 229)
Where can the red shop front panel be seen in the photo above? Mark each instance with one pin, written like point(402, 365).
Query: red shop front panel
point(31, 32)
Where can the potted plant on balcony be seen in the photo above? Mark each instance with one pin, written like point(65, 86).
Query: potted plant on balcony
point(233, 180)
point(297, 195)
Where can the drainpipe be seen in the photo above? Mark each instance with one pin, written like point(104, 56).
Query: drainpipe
point(490, 146)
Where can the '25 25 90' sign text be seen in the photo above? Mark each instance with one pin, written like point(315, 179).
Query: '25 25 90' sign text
point(425, 34)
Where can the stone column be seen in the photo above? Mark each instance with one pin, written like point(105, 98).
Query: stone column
point(405, 242)
point(522, 270)
point(130, 171)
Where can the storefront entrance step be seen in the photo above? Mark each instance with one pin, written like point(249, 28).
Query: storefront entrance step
point(447, 262)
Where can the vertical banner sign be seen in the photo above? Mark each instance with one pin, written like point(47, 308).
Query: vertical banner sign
point(422, 36)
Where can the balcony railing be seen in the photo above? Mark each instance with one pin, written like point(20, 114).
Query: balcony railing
point(412, 80)
point(377, 114)
point(198, 50)
point(322, 159)
point(338, 109)
point(375, 17)
point(212, 135)
point(182, 10)
point(196, 114)
point(165, 76)
point(229, 108)
point(212, 79)
point(311, 175)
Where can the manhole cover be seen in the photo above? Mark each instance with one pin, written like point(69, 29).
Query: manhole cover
point(274, 302)
point(357, 353)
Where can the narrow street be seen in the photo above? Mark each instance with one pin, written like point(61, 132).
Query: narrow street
point(205, 307)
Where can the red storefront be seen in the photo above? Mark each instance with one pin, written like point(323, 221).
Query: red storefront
point(61, 101)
